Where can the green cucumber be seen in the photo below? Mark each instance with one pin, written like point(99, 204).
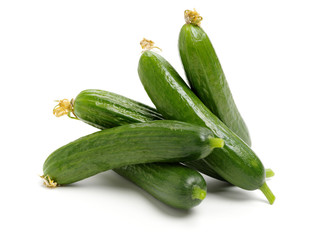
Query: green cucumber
point(206, 77)
point(103, 109)
point(235, 162)
point(173, 184)
point(156, 141)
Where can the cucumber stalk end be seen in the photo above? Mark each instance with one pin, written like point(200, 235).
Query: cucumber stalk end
point(268, 193)
point(216, 142)
point(198, 193)
point(269, 173)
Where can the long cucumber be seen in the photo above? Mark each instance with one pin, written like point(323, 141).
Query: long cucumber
point(156, 141)
point(206, 77)
point(236, 162)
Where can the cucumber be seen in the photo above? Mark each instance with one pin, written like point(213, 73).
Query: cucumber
point(173, 184)
point(103, 109)
point(235, 162)
point(206, 77)
point(157, 141)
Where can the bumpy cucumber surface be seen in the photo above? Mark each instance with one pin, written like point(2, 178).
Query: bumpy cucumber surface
point(175, 185)
point(207, 79)
point(103, 109)
point(235, 162)
point(157, 141)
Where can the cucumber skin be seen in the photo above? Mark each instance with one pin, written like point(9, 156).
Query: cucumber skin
point(103, 109)
point(173, 184)
point(207, 79)
point(235, 162)
point(157, 141)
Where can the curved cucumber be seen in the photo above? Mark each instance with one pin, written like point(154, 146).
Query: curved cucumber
point(207, 79)
point(175, 185)
point(157, 141)
point(235, 162)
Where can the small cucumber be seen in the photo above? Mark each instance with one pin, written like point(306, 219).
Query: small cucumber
point(235, 162)
point(173, 184)
point(156, 141)
point(206, 77)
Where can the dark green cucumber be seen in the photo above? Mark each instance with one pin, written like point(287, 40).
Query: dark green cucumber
point(207, 79)
point(235, 162)
point(175, 185)
point(157, 141)
point(103, 109)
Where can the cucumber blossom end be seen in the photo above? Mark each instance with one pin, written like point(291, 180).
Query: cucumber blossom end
point(192, 17)
point(64, 107)
point(147, 44)
point(48, 182)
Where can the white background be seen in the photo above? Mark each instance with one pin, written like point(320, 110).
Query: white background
point(272, 53)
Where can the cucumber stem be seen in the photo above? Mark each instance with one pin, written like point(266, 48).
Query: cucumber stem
point(216, 142)
point(192, 17)
point(269, 173)
point(198, 193)
point(268, 193)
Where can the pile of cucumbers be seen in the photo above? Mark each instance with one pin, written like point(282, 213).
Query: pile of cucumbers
point(194, 129)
